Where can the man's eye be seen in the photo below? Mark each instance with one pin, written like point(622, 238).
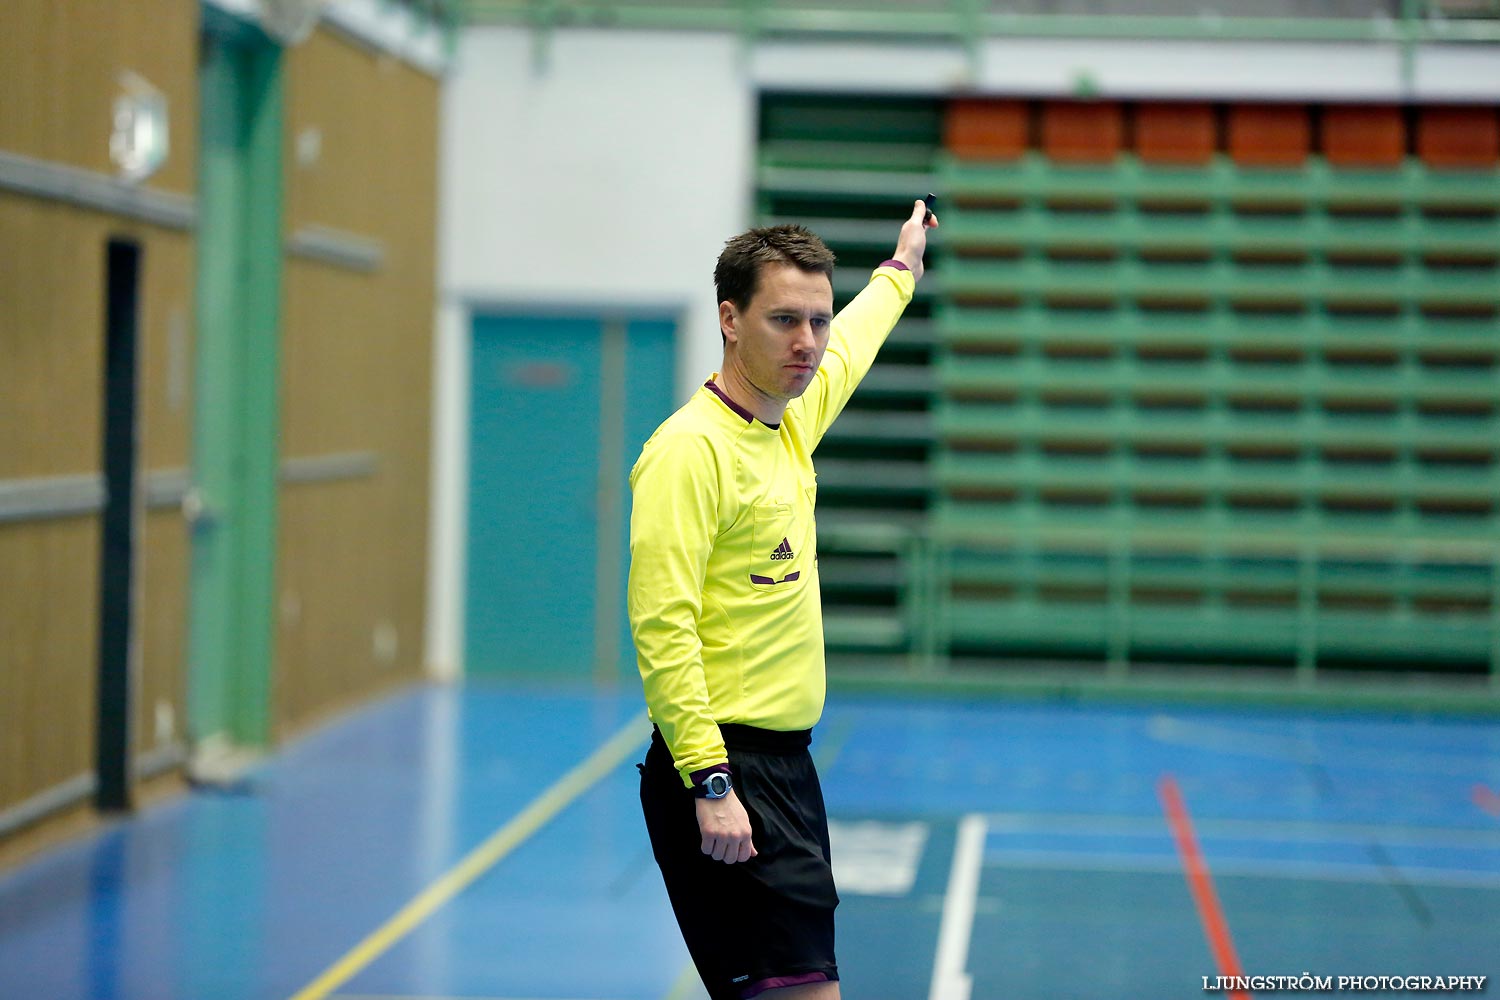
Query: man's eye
point(786, 320)
point(820, 324)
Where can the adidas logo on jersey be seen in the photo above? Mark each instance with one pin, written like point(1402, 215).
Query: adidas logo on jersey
point(783, 551)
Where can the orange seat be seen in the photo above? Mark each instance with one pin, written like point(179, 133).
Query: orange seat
point(1082, 131)
point(1269, 135)
point(1175, 133)
point(1458, 138)
point(1364, 135)
point(986, 129)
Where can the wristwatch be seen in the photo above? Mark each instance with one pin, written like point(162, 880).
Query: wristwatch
point(715, 786)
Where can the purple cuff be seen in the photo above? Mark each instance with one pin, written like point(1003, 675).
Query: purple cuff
point(893, 262)
point(755, 989)
point(699, 777)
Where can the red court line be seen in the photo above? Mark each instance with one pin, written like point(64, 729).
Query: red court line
point(1486, 799)
point(1200, 882)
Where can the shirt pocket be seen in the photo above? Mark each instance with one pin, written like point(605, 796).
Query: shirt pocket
point(774, 542)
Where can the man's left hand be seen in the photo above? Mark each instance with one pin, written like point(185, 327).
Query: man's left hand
point(912, 243)
point(725, 827)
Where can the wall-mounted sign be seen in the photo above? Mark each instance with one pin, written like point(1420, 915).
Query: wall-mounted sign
point(539, 374)
point(138, 140)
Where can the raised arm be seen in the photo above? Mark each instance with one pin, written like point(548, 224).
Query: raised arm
point(860, 328)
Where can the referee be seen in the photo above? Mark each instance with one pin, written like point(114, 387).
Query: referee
point(727, 618)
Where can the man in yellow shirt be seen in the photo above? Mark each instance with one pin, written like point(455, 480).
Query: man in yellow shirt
point(726, 614)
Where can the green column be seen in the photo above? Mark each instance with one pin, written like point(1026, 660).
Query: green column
point(236, 414)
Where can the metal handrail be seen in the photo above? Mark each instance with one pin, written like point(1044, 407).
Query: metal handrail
point(1418, 21)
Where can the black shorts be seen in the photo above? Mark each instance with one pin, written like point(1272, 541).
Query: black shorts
point(762, 923)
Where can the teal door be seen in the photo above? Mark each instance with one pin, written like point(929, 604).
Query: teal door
point(559, 408)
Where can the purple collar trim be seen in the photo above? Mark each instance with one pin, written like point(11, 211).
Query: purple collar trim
point(739, 410)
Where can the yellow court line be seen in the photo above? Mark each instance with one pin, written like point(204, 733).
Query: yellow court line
point(510, 836)
point(686, 983)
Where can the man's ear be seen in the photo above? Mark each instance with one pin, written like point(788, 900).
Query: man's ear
point(728, 317)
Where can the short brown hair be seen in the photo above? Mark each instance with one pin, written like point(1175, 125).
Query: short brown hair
point(737, 274)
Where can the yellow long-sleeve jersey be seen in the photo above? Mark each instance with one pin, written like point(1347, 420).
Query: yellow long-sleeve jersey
point(723, 593)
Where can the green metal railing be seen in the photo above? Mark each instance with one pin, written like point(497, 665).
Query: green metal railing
point(968, 23)
point(446, 16)
point(959, 20)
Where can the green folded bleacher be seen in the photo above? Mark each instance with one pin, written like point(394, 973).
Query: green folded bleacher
point(849, 168)
point(1172, 395)
point(1219, 414)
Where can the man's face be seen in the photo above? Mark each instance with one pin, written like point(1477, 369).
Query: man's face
point(777, 341)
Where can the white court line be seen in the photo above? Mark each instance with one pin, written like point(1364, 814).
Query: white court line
point(1227, 867)
point(1315, 831)
point(950, 977)
point(1298, 748)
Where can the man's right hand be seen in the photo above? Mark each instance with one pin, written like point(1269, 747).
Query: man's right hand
point(726, 829)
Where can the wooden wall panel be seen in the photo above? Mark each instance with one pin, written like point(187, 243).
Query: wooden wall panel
point(334, 93)
point(162, 623)
point(52, 332)
point(166, 407)
point(60, 65)
point(51, 309)
point(331, 579)
point(331, 354)
point(166, 358)
point(413, 226)
point(356, 358)
point(49, 576)
point(333, 594)
point(162, 37)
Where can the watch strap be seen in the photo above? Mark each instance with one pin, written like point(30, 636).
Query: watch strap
point(699, 776)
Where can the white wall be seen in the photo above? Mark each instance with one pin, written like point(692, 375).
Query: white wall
point(611, 173)
point(607, 173)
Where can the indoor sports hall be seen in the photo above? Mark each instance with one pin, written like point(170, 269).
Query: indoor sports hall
point(1158, 552)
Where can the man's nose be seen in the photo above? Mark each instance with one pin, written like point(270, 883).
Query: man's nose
point(805, 341)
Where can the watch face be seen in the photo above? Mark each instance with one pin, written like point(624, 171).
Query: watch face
point(718, 785)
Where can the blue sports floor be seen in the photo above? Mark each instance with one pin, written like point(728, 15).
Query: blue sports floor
point(485, 842)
